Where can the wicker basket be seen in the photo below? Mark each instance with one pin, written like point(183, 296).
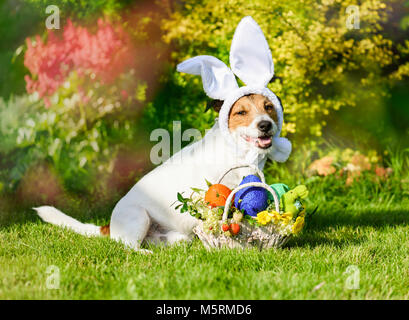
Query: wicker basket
point(250, 236)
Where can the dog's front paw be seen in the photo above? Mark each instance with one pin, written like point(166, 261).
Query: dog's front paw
point(144, 251)
point(175, 237)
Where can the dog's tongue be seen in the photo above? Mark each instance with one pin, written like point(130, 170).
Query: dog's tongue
point(264, 142)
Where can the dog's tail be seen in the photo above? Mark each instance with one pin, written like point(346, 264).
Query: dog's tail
point(56, 217)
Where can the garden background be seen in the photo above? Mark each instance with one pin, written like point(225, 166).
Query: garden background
point(78, 104)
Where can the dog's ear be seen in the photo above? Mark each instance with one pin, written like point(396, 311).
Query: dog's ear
point(271, 81)
point(274, 78)
point(215, 104)
point(282, 108)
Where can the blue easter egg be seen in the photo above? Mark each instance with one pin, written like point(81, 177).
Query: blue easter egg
point(251, 199)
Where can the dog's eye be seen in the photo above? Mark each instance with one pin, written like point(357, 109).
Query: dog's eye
point(242, 113)
point(269, 107)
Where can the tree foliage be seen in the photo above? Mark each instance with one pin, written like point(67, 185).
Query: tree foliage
point(88, 84)
point(320, 65)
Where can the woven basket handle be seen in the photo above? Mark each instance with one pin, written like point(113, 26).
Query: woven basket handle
point(250, 184)
point(257, 170)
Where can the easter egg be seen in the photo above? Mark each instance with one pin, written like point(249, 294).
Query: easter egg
point(217, 195)
point(251, 199)
point(234, 228)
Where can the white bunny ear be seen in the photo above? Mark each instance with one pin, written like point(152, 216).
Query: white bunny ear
point(218, 80)
point(250, 56)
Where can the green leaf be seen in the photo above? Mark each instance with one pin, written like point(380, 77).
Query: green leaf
point(180, 197)
point(209, 184)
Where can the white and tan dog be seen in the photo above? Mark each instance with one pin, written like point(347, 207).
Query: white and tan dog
point(247, 133)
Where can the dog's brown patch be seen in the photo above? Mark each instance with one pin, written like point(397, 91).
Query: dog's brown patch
point(104, 230)
point(246, 108)
point(215, 104)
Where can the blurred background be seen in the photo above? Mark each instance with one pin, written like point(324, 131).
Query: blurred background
point(78, 103)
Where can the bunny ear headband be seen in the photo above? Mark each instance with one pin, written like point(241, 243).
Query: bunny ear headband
point(251, 61)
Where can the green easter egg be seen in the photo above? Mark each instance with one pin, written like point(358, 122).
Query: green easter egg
point(279, 188)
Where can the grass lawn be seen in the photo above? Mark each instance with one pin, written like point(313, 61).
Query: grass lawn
point(371, 235)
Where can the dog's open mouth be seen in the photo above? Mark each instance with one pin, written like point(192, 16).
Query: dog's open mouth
point(262, 142)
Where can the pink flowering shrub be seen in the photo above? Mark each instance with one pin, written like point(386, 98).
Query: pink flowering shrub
point(95, 79)
point(89, 79)
point(102, 55)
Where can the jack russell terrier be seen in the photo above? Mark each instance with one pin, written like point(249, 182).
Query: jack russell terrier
point(247, 132)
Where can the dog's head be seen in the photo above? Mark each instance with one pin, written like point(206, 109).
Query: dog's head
point(253, 121)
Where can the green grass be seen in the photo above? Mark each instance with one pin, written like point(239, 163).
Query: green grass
point(364, 225)
point(371, 237)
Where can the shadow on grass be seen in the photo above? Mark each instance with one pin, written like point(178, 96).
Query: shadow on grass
point(322, 228)
point(360, 217)
point(332, 227)
point(12, 213)
point(316, 239)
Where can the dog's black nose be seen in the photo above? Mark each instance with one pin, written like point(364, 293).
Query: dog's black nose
point(264, 125)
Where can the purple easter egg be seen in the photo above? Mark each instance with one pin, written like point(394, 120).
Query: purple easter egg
point(251, 199)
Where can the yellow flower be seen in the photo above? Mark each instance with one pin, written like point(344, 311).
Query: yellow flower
point(275, 216)
point(286, 217)
point(298, 225)
point(263, 217)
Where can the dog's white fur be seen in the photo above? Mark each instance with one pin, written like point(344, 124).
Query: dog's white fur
point(149, 203)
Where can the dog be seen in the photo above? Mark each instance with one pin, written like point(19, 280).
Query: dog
point(147, 214)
